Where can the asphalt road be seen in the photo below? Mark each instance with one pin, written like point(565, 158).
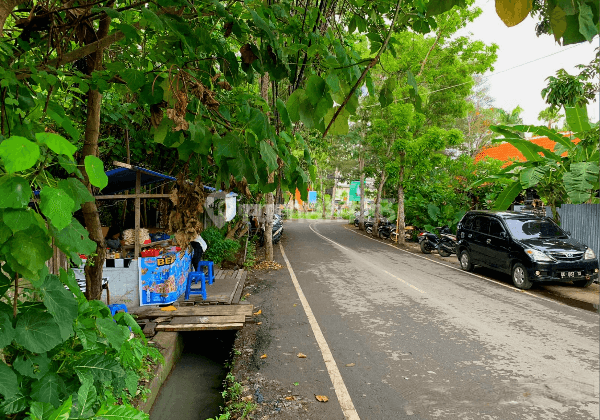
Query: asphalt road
point(412, 339)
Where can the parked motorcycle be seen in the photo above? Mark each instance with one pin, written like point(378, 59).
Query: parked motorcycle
point(258, 229)
point(385, 229)
point(444, 243)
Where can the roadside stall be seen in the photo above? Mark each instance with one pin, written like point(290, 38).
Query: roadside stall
point(146, 269)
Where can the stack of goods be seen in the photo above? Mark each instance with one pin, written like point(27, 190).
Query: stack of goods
point(129, 236)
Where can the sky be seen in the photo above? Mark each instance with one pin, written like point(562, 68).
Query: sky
point(525, 61)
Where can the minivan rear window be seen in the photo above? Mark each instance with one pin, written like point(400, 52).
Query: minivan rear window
point(524, 229)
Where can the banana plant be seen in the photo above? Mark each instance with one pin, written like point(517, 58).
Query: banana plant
point(566, 174)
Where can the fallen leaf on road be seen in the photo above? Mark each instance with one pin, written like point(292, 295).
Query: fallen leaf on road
point(247, 294)
point(302, 355)
point(290, 398)
point(350, 365)
point(295, 304)
point(258, 323)
point(168, 308)
point(296, 383)
point(247, 398)
point(264, 356)
point(321, 398)
point(258, 313)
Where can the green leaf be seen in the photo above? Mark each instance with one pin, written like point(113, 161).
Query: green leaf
point(268, 155)
point(77, 191)
point(558, 23)
point(37, 331)
point(63, 412)
point(95, 171)
point(572, 34)
point(340, 125)
point(581, 181)
point(307, 113)
point(587, 27)
point(437, 7)
point(74, 240)
point(506, 198)
point(101, 367)
point(545, 131)
point(84, 401)
point(131, 34)
point(513, 12)
point(115, 334)
point(15, 192)
point(135, 79)
point(68, 279)
point(530, 177)
point(293, 103)
point(40, 411)
point(18, 154)
point(8, 381)
point(15, 404)
point(131, 382)
point(315, 88)
point(69, 166)
point(20, 219)
point(7, 332)
point(120, 412)
point(60, 304)
point(226, 146)
point(433, 211)
point(386, 95)
point(112, 13)
point(58, 144)
point(57, 205)
point(160, 132)
point(577, 118)
point(24, 367)
point(151, 17)
point(47, 389)
point(530, 150)
point(27, 251)
point(283, 114)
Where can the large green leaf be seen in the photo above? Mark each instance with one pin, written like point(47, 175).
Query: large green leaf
point(307, 114)
point(386, 95)
point(60, 303)
point(120, 412)
point(315, 88)
point(68, 279)
point(62, 412)
point(530, 177)
point(340, 125)
point(530, 150)
point(15, 404)
point(437, 7)
point(293, 104)
point(588, 26)
point(433, 211)
point(135, 79)
point(506, 198)
point(40, 411)
point(581, 181)
point(226, 146)
point(152, 18)
point(57, 205)
point(85, 399)
point(25, 367)
point(15, 192)
point(37, 331)
point(74, 240)
point(544, 131)
point(47, 389)
point(77, 191)
point(558, 22)
point(577, 118)
point(58, 144)
point(115, 334)
point(20, 219)
point(95, 171)
point(283, 114)
point(8, 381)
point(101, 367)
point(7, 332)
point(268, 155)
point(27, 252)
point(18, 154)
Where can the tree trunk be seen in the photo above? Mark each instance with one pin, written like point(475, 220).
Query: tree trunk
point(361, 169)
point(400, 224)
point(335, 175)
point(93, 268)
point(264, 92)
point(322, 199)
point(378, 198)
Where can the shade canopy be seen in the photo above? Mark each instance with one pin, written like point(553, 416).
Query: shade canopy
point(123, 179)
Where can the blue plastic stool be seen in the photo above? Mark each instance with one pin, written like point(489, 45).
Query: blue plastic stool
point(195, 276)
point(116, 307)
point(209, 265)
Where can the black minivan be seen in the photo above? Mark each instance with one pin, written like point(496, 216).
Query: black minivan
point(528, 247)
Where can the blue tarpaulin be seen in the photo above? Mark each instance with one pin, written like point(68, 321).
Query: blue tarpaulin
point(312, 197)
point(123, 179)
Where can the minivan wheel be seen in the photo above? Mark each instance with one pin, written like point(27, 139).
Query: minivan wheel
point(465, 261)
point(520, 277)
point(582, 283)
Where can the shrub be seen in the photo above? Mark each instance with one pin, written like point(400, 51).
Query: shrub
point(219, 248)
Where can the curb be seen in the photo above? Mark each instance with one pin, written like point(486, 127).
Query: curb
point(171, 347)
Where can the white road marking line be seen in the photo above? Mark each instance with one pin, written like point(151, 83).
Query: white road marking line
point(348, 249)
point(336, 378)
point(465, 272)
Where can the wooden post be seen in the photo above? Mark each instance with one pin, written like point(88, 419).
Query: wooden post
point(138, 183)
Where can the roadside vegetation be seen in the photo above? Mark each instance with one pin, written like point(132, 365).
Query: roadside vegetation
point(261, 98)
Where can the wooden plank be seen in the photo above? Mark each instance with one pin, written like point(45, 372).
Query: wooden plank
point(121, 164)
point(238, 292)
point(125, 196)
point(240, 273)
point(233, 293)
point(198, 311)
point(200, 327)
point(212, 319)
